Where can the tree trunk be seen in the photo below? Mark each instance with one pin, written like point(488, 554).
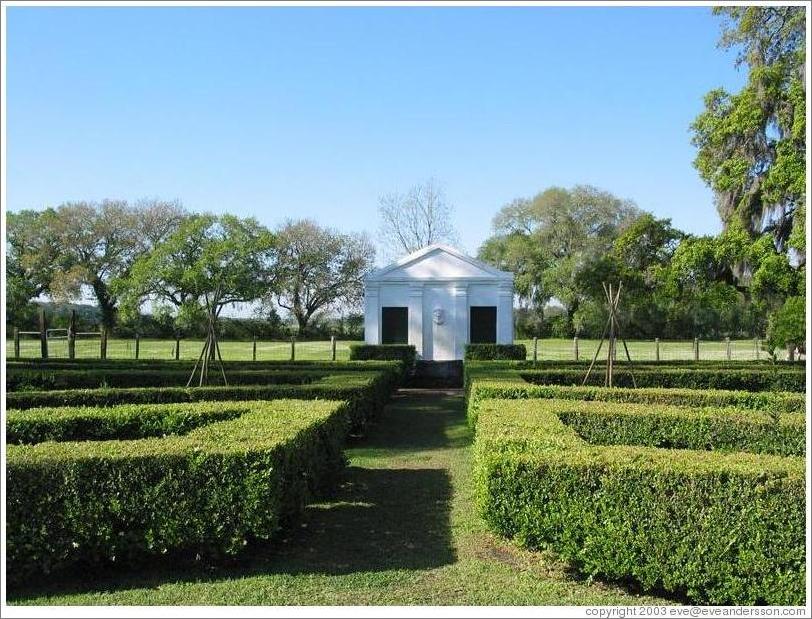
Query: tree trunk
point(106, 301)
point(302, 319)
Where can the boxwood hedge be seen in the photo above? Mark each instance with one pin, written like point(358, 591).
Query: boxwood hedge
point(772, 403)
point(493, 352)
point(404, 353)
point(717, 527)
point(676, 427)
point(208, 492)
point(365, 392)
point(124, 422)
point(39, 379)
point(767, 379)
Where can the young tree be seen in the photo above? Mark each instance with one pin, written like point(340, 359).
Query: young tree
point(317, 268)
point(208, 262)
point(416, 219)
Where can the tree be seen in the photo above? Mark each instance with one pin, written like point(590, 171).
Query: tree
point(61, 252)
point(416, 219)
point(549, 239)
point(787, 326)
point(31, 260)
point(207, 263)
point(752, 146)
point(317, 268)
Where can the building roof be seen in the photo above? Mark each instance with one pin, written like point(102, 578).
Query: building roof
point(438, 262)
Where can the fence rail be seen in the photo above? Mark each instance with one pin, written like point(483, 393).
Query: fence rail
point(87, 345)
point(650, 350)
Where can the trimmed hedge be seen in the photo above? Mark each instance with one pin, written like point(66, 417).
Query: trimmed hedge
point(127, 422)
point(716, 378)
point(494, 352)
point(675, 427)
point(406, 354)
point(186, 364)
point(40, 379)
point(209, 492)
point(771, 403)
point(720, 528)
point(366, 394)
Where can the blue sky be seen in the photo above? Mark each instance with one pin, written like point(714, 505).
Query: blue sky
point(315, 112)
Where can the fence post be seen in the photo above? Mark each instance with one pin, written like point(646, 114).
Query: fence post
point(254, 349)
point(535, 350)
point(103, 343)
point(333, 347)
point(575, 347)
point(72, 335)
point(727, 348)
point(293, 348)
point(16, 343)
point(43, 334)
point(757, 344)
point(656, 349)
point(177, 347)
point(696, 349)
point(137, 344)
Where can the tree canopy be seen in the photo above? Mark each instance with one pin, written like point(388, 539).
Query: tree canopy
point(415, 219)
point(752, 144)
point(317, 268)
point(207, 263)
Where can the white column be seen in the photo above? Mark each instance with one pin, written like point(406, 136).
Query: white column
point(461, 318)
point(504, 314)
point(372, 312)
point(416, 317)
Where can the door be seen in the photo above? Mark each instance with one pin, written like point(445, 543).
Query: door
point(483, 324)
point(394, 325)
point(441, 306)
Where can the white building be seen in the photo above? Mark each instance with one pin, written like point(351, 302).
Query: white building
point(439, 300)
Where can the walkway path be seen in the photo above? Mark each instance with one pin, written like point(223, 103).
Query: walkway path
point(402, 529)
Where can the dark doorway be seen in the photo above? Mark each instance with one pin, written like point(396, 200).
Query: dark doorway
point(394, 325)
point(483, 324)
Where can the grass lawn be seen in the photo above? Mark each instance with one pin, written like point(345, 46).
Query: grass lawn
point(88, 347)
point(402, 529)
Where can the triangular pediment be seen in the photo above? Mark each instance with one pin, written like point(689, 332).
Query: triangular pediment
point(438, 262)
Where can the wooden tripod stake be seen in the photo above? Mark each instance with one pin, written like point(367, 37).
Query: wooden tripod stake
point(211, 348)
point(613, 329)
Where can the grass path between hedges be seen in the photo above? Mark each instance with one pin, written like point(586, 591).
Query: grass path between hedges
point(401, 529)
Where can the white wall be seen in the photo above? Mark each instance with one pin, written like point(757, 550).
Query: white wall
point(455, 298)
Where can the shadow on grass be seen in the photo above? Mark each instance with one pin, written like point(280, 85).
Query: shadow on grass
point(377, 519)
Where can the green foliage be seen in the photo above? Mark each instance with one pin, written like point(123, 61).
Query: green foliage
point(751, 145)
point(787, 327)
point(207, 263)
point(108, 423)
point(547, 240)
point(365, 392)
point(317, 268)
point(768, 379)
point(42, 379)
point(87, 245)
point(672, 427)
point(492, 352)
point(721, 528)
point(211, 491)
point(406, 354)
point(509, 386)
